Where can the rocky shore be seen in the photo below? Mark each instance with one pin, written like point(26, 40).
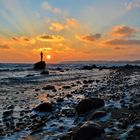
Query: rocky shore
point(100, 108)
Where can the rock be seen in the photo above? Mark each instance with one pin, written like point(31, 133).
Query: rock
point(7, 113)
point(135, 106)
point(87, 67)
point(40, 65)
point(66, 87)
point(89, 104)
point(69, 95)
point(30, 75)
point(49, 87)
point(10, 107)
point(44, 107)
point(97, 114)
point(88, 131)
point(45, 72)
point(60, 99)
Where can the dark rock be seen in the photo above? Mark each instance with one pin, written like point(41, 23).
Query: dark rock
point(44, 107)
point(49, 87)
point(7, 113)
point(88, 131)
point(29, 75)
point(45, 72)
point(97, 114)
point(69, 95)
point(66, 87)
point(89, 104)
point(60, 99)
point(40, 65)
point(10, 107)
point(87, 67)
point(37, 89)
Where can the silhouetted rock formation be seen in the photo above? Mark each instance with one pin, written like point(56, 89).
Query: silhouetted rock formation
point(44, 107)
point(40, 65)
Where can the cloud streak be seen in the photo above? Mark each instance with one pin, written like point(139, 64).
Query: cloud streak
point(50, 38)
point(90, 38)
point(127, 42)
point(123, 31)
point(4, 47)
point(68, 24)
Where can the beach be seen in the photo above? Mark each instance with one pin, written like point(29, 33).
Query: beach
point(69, 103)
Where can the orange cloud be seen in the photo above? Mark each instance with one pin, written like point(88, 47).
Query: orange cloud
point(42, 49)
point(127, 42)
point(49, 38)
point(56, 26)
point(123, 31)
point(89, 38)
point(68, 24)
point(4, 47)
point(24, 40)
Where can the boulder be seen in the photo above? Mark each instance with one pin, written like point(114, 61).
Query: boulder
point(97, 114)
point(44, 107)
point(88, 130)
point(89, 104)
point(89, 67)
point(49, 87)
point(45, 72)
point(40, 65)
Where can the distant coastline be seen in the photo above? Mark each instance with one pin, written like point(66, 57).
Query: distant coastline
point(101, 62)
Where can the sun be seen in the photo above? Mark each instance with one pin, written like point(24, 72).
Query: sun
point(48, 57)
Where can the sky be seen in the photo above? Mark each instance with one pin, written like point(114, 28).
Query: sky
point(69, 30)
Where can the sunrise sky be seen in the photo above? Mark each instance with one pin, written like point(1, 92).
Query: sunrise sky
point(69, 30)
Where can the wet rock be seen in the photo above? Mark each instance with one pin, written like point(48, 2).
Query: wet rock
point(49, 87)
point(29, 75)
point(89, 104)
point(134, 134)
point(97, 114)
point(45, 72)
point(40, 65)
point(7, 113)
point(87, 67)
point(135, 107)
point(88, 131)
point(66, 87)
point(10, 107)
point(44, 107)
point(60, 99)
point(69, 95)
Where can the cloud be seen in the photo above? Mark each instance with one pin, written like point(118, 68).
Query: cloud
point(123, 31)
point(46, 49)
point(121, 42)
point(48, 7)
point(4, 47)
point(23, 40)
point(46, 37)
point(90, 38)
point(58, 26)
point(133, 4)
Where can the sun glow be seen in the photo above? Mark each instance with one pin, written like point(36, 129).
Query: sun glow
point(48, 57)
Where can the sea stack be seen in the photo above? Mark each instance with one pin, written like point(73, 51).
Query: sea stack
point(40, 65)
